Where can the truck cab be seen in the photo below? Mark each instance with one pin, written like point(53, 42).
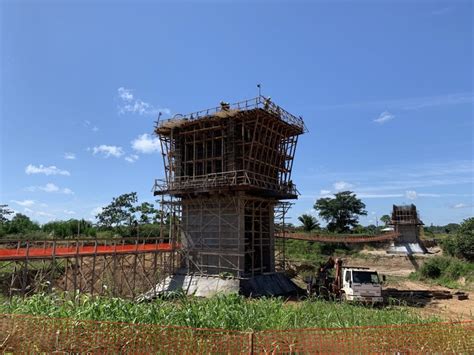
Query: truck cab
point(361, 284)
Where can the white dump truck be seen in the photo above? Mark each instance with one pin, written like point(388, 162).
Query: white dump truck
point(348, 283)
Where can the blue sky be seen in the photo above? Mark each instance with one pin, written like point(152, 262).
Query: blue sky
point(385, 88)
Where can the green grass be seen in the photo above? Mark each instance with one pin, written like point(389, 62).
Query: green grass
point(314, 252)
point(227, 312)
point(446, 271)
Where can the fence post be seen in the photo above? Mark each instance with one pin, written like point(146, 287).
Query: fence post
point(251, 341)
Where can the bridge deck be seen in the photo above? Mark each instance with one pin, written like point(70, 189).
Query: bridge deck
point(22, 250)
point(340, 238)
point(53, 250)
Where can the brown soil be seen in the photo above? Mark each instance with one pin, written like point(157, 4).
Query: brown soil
point(399, 267)
point(449, 309)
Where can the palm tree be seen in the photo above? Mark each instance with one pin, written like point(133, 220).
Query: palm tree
point(309, 222)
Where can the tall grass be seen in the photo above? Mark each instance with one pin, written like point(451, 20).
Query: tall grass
point(227, 312)
point(446, 271)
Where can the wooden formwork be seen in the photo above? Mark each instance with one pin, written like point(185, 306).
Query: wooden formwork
point(228, 167)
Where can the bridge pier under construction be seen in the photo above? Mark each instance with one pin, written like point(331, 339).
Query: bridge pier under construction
point(226, 169)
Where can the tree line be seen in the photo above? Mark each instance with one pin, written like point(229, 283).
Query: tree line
point(123, 217)
point(126, 217)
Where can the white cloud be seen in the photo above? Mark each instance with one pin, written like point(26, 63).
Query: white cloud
point(428, 195)
point(47, 170)
point(342, 185)
point(50, 187)
point(400, 178)
point(377, 195)
point(69, 212)
point(411, 195)
point(461, 205)
point(132, 158)
point(108, 151)
point(88, 124)
point(146, 144)
point(325, 192)
point(44, 214)
point(96, 211)
point(125, 94)
point(38, 213)
point(384, 117)
point(129, 104)
point(69, 156)
point(411, 103)
point(25, 203)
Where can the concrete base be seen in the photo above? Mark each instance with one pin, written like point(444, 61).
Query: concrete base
point(406, 248)
point(274, 284)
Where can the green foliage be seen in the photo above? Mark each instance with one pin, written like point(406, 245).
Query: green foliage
point(449, 228)
point(21, 223)
point(445, 271)
point(341, 212)
point(119, 212)
point(148, 213)
point(70, 228)
point(309, 222)
point(314, 252)
point(370, 229)
point(125, 216)
point(228, 312)
point(430, 270)
point(385, 219)
point(4, 213)
point(461, 244)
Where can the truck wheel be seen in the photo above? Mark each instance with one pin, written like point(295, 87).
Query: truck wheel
point(343, 297)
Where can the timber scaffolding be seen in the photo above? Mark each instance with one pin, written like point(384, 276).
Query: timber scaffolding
point(339, 238)
point(227, 170)
point(123, 267)
point(407, 215)
point(406, 221)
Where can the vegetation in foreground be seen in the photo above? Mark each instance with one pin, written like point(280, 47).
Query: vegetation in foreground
point(456, 268)
point(446, 271)
point(227, 312)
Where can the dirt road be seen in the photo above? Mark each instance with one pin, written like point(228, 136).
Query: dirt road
point(449, 309)
point(398, 268)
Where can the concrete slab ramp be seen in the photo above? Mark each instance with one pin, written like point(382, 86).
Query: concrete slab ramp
point(274, 284)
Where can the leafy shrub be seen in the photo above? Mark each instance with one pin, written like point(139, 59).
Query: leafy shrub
point(461, 244)
point(430, 270)
point(446, 271)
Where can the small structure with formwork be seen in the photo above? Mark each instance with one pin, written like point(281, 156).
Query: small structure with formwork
point(226, 170)
point(406, 222)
